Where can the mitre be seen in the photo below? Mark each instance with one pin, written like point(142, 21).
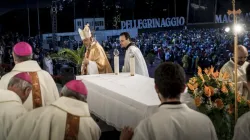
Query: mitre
point(85, 33)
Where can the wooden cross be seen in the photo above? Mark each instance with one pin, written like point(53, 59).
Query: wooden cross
point(229, 12)
point(234, 12)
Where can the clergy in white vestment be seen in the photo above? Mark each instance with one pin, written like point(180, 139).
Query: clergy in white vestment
point(242, 64)
point(68, 118)
point(174, 120)
point(131, 49)
point(244, 86)
point(48, 64)
point(95, 60)
point(11, 102)
point(44, 89)
point(242, 128)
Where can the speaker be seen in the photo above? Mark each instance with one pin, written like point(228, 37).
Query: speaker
point(67, 74)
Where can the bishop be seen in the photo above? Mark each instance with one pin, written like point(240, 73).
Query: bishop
point(68, 118)
point(95, 60)
point(11, 102)
point(44, 89)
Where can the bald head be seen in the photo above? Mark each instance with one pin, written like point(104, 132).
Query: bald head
point(242, 54)
point(242, 48)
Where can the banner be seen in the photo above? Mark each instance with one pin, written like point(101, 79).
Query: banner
point(94, 23)
point(242, 18)
point(153, 23)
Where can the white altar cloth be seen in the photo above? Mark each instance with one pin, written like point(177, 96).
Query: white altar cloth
point(121, 100)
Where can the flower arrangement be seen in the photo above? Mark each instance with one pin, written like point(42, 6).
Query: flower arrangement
point(213, 94)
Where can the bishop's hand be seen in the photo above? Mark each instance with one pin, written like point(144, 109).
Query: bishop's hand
point(86, 62)
point(127, 133)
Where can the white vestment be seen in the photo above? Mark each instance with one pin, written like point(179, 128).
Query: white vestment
point(49, 91)
point(244, 90)
point(140, 64)
point(92, 68)
point(186, 98)
point(242, 128)
point(11, 108)
point(48, 123)
point(48, 65)
point(229, 68)
point(175, 122)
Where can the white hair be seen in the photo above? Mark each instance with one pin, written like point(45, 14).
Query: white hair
point(19, 83)
point(22, 58)
point(69, 93)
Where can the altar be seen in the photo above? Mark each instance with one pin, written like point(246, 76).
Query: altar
point(121, 100)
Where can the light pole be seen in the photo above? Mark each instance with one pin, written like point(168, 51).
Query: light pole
point(28, 10)
point(188, 3)
point(38, 19)
point(74, 4)
point(53, 13)
point(175, 8)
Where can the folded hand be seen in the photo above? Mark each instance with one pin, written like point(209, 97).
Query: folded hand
point(86, 62)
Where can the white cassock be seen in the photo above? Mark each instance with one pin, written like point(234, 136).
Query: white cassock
point(175, 122)
point(49, 91)
point(244, 90)
point(11, 109)
point(186, 98)
point(48, 65)
point(48, 123)
point(140, 64)
point(242, 128)
point(229, 68)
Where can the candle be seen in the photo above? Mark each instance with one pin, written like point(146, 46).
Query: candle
point(116, 65)
point(132, 66)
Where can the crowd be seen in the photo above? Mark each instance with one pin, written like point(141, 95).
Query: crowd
point(40, 54)
point(189, 48)
point(8, 40)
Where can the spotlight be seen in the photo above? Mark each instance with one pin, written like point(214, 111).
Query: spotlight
point(238, 28)
point(227, 29)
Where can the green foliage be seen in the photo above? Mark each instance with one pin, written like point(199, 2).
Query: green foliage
point(74, 56)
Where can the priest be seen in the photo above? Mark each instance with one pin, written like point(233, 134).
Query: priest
point(11, 102)
point(242, 64)
point(244, 86)
point(48, 64)
point(68, 118)
point(242, 127)
point(174, 120)
point(44, 89)
point(95, 60)
point(140, 64)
